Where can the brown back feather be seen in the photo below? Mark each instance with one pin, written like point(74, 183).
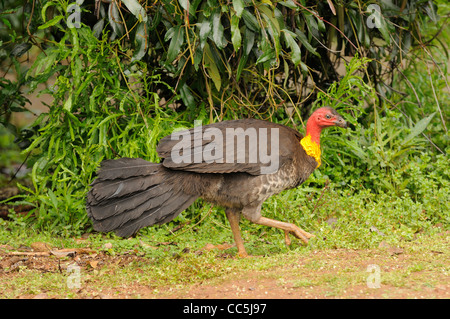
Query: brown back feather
point(288, 142)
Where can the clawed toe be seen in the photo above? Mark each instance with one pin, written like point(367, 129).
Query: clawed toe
point(286, 238)
point(298, 233)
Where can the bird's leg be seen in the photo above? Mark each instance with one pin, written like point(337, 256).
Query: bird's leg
point(287, 227)
point(233, 218)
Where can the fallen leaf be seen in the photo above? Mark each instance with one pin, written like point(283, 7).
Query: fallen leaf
point(63, 252)
point(180, 226)
point(391, 249)
point(40, 246)
point(144, 245)
point(7, 263)
point(71, 252)
point(383, 244)
point(93, 263)
point(220, 246)
point(29, 253)
point(332, 222)
point(165, 243)
point(6, 247)
point(374, 229)
point(395, 251)
point(84, 251)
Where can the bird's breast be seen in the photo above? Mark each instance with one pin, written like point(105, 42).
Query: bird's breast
point(237, 190)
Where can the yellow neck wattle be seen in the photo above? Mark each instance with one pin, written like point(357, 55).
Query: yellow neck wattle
point(311, 148)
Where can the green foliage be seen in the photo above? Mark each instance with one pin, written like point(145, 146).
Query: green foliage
point(93, 116)
point(11, 98)
point(237, 56)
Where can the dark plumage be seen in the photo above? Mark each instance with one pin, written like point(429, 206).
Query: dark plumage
point(235, 164)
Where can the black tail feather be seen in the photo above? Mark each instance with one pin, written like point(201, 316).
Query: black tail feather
point(130, 194)
point(118, 205)
point(125, 168)
point(109, 189)
point(158, 215)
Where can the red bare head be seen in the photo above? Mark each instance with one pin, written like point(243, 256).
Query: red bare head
point(322, 118)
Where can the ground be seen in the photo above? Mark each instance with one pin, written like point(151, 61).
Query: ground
point(418, 269)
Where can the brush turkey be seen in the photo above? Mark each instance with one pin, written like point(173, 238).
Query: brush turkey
point(236, 164)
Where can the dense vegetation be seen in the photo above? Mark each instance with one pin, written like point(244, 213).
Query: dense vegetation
point(127, 73)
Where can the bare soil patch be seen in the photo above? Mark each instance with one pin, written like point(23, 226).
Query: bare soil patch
point(339, 273)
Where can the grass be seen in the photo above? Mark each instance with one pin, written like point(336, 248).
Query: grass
point(360, 220)
point(329, 272)
point(160, 263)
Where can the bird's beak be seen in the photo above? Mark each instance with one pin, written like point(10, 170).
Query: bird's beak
point(341, 122)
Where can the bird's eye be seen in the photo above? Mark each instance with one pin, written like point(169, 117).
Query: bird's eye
point(328, 116)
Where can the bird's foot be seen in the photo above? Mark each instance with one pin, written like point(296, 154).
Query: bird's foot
point(219, 247)
point(287, 227)
point(286, 237)
point(242, 254)
point(298, 233)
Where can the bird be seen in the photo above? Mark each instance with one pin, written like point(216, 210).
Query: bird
point(235, 164)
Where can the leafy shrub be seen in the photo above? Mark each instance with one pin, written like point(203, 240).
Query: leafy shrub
point(93, 117)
